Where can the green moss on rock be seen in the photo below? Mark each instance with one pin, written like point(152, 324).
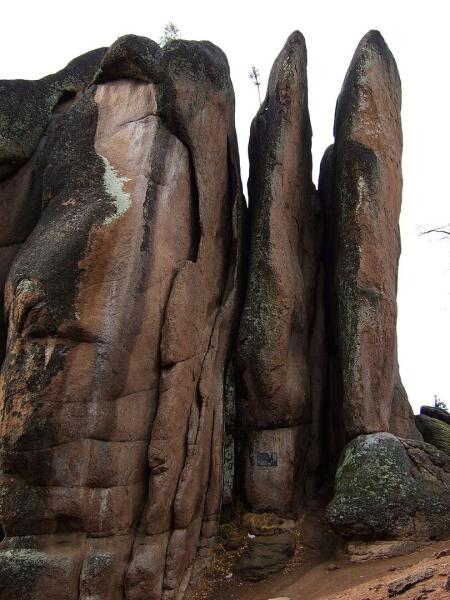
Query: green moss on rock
point(373, 485)
point(391, 488)
point(434, 431)
point(131, 56)
point(26, 107)
point(19, 571)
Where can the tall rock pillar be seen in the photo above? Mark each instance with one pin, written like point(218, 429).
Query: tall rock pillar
point(277, 324)
point(361, 188)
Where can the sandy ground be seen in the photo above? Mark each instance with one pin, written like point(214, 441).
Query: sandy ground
point(349, 581)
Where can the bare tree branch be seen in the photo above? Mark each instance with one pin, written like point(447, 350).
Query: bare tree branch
point(444, 229)
point(254, 76)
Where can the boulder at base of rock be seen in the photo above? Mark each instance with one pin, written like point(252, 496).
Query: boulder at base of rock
point(391, 488)
point(434, 432)
point(265, 555)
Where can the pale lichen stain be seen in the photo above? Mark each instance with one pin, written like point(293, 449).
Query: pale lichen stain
point(113, 184)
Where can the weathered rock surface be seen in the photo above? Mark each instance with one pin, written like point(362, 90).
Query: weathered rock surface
point(27, 107)
point(121, 304)
point(434, 431)
point(157, 363)
point(399, 586)
point(361, 186)
point(278, 392)
point(436, 413)
point(390, 488)
point(265, 555)
point(29, 111)
point(363, 551)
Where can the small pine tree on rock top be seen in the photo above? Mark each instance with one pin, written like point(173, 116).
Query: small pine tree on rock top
point(170, 33)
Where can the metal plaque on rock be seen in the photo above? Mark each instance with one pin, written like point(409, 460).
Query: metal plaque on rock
point(266, 459)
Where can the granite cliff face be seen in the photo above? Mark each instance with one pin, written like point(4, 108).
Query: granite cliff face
point(120, 307)
point(165, 348)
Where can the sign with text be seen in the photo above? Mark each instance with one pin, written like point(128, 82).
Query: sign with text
point(266, 459)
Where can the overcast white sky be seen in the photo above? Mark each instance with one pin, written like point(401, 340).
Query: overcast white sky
point(40, 37)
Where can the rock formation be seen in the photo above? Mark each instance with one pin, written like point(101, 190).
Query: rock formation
point(361, 185)
point(120, 306)
point(29, 111)
point(436, 413)
point(277, 335)
point(160, 356)
point(385, 486)
point(388, 488)
point(434, 431)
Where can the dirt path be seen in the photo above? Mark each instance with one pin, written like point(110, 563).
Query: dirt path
point(314, 582)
